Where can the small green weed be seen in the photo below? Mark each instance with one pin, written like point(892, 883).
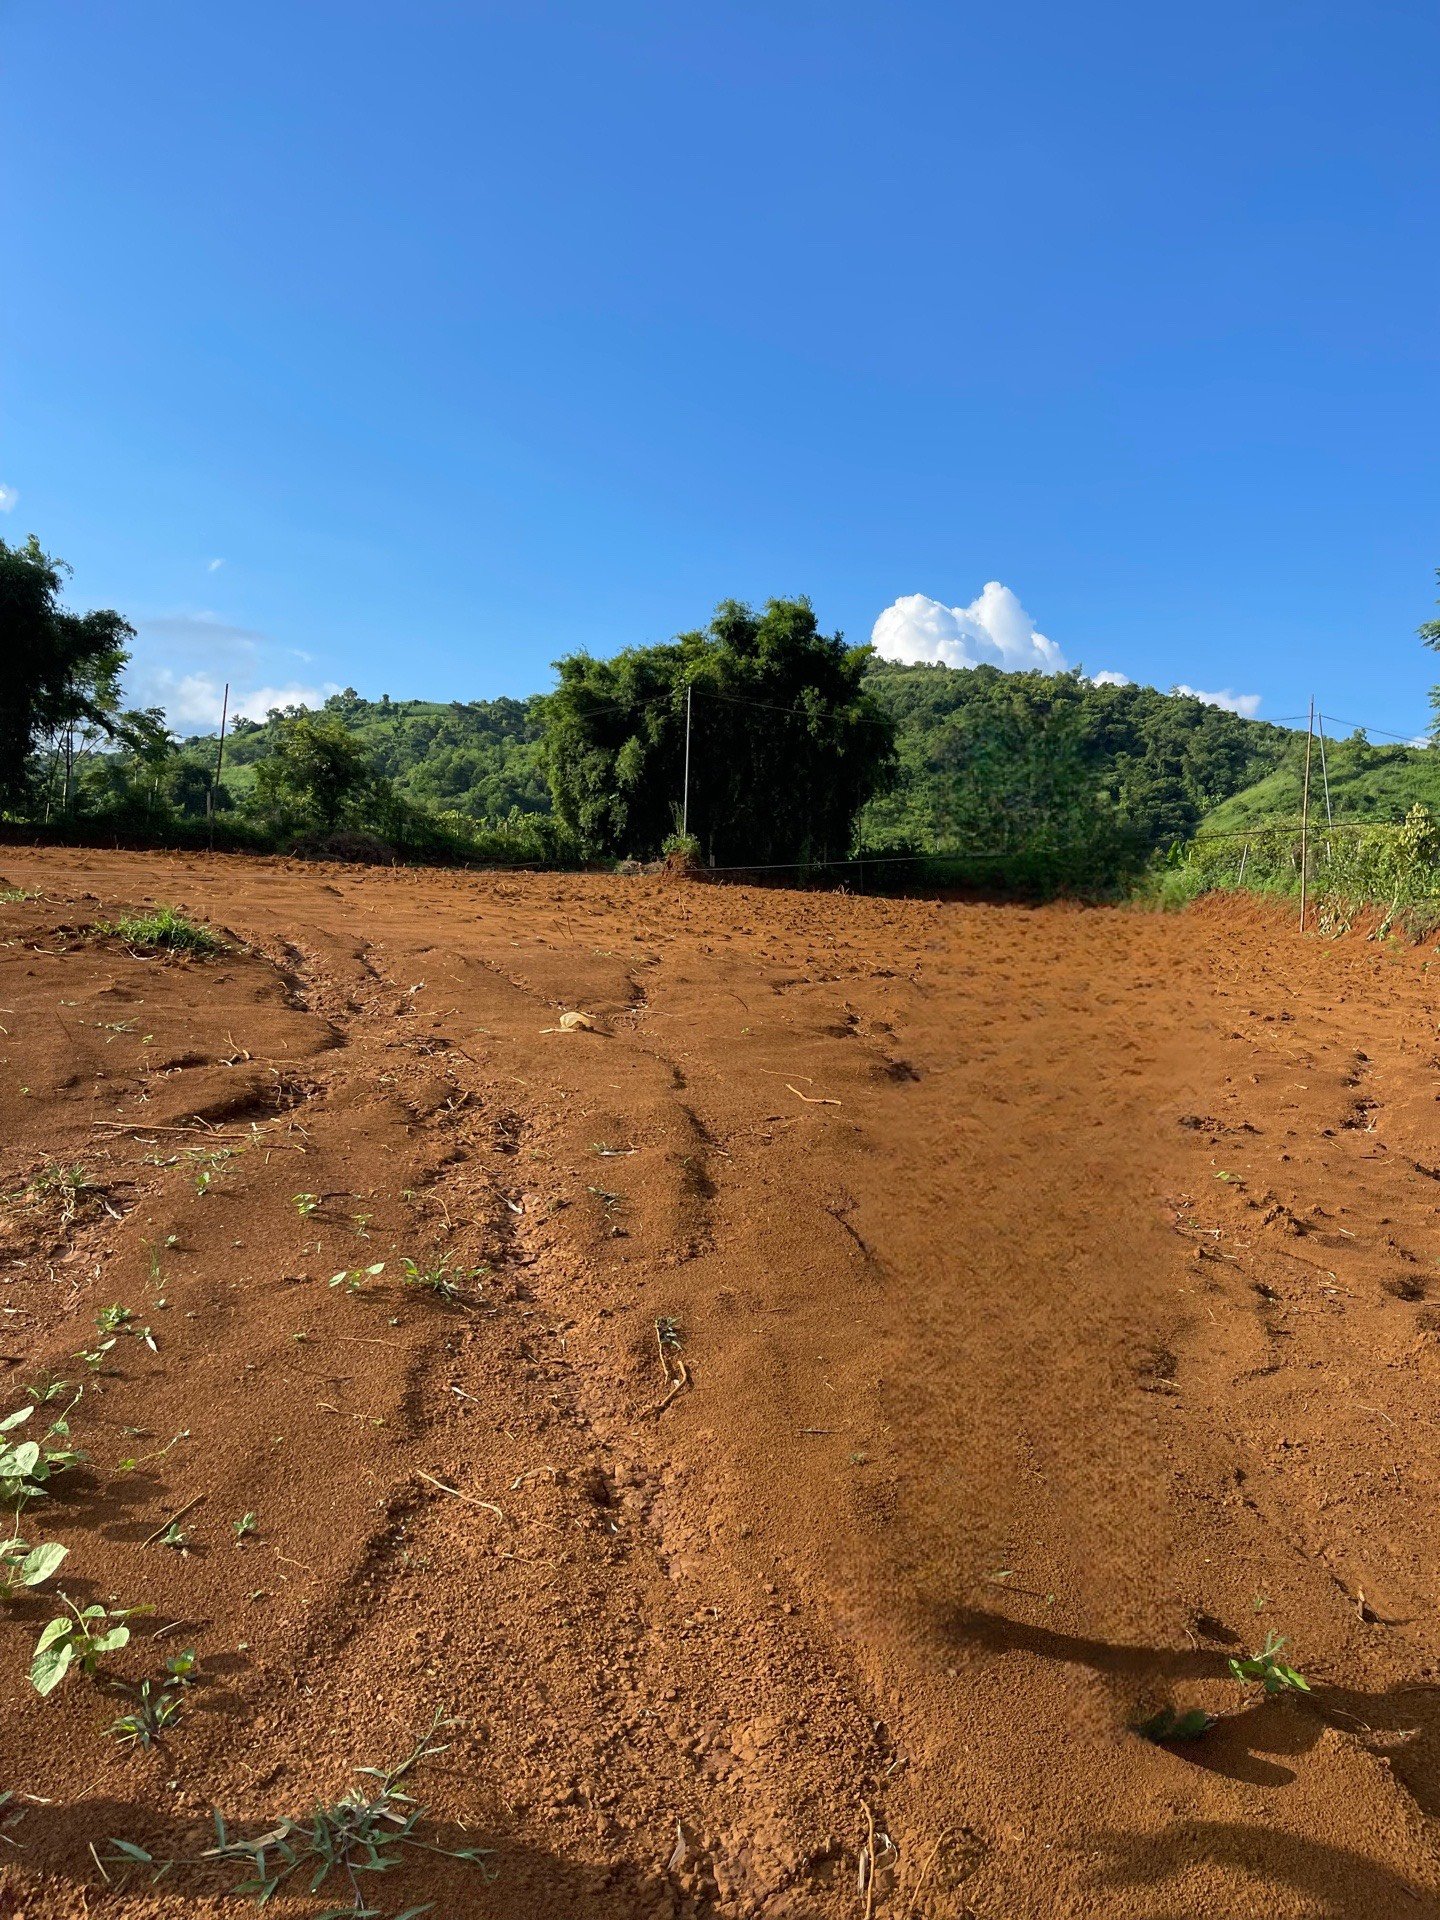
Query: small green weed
point(162, 931)
point(305, 1204)
point(70, 1186)
point(441, 1280)
point(1269, 1669)
point(139, 1460)
point(362, 1832)
point(47, 1387)
point(1167, 1724)
point(156, 1708)
point(155, 1251)
point(110, 1323)
point(247, 1527)
point(180, 1668)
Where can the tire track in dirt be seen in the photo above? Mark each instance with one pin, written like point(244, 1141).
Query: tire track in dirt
point(1004, 1408)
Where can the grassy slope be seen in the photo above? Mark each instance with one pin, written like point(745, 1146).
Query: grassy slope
point(1366, 783)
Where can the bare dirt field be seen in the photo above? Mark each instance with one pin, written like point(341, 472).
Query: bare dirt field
point(910, 1343)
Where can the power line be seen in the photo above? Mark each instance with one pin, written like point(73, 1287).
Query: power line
point(1409, 739)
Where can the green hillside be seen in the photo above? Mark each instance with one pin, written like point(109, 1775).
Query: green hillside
point(1365, 782)
point(975, 743)
point(969, 744)
point(476, 757)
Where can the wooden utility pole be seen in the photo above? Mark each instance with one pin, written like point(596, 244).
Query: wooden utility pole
point(685, 802)
point(1305, 819)
point(219, 762)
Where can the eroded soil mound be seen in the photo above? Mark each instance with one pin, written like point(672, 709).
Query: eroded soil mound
point(835, 1391)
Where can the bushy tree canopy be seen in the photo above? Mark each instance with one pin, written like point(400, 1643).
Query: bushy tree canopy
point(786, 744)
point(58, 669)
point(316, 773)
point(976, 747)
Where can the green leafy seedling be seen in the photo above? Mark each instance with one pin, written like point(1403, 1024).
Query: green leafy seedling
point(305, 1204)
point(176, 1537)
point(22, 1566)
point(246, 1528)
point(48, 1387)
point(1167, 1724)
point(110, 1323)
point(353, 1279)
point(180, 1667)
point(26, 1466)
point(441, 1280)
point(1269, 1669)
point(80, 1637)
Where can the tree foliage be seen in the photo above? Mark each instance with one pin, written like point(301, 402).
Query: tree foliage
point(475, 757)
point(1042, 761)
point(316, 775)
point(59, 672)
point(786, 744)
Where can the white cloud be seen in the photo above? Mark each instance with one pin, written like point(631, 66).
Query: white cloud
point(183, 660)
point(213, 566)
point(8, 498)
point(1247, 705)
point(255, 705)
point(994, 630)
point(193, 701)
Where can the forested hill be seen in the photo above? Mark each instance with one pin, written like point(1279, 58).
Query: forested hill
point(476, 757)
point(968, 739)
point(971, 740)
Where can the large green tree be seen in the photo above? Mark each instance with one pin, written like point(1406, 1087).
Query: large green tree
point(59, 671)
point(317, 774)
point(786, 745)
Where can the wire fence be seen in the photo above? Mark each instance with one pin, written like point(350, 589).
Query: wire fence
point(957, 856)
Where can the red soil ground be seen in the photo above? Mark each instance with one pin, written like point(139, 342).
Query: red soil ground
point(1052, 1290)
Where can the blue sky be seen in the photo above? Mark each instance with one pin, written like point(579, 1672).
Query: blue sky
point(464, 335)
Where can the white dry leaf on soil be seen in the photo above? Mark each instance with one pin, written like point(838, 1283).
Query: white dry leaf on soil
point(573, 1023)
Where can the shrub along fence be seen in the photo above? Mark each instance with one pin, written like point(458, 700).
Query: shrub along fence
point(1347, 866)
